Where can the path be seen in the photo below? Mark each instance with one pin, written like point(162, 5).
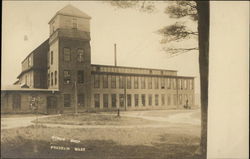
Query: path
point(182, 117)
point(16, 122)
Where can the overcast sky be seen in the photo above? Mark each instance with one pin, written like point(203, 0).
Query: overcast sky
point(138, 44)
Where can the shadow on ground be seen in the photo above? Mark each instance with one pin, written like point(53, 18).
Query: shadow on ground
point(105, 149)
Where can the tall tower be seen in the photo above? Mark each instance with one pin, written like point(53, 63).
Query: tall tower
point(69, 57)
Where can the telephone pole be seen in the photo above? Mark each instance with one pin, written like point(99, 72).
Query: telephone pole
point(76, 104)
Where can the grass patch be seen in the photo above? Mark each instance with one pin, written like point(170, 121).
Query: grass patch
point(94, 119)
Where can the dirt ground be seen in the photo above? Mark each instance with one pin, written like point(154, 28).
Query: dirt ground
point(169, 141)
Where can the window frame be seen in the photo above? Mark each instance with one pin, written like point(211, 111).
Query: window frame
point(64, 54)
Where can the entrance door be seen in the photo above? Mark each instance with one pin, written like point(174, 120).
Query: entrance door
point(51, 105)
point(16, 103)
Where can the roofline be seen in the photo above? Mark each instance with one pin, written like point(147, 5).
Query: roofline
point(134, 67)
point(31, 89)
point(137, 74)
point(34, 50)
point(67, 15)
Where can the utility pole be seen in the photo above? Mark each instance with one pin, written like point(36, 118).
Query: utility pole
point(177, 93)
point(76, 104)
point(115, 54)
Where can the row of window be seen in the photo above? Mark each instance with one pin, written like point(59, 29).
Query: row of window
point(162, 83)
point(141, 100)
point(132, 70)
point(52, 77)
point(67, 55)
point(132, 99)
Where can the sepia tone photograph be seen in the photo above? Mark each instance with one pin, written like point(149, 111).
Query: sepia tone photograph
point(111, 80)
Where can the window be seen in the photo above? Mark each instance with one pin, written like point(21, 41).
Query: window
point(180, 99)
point(181, 84)
point(51, 58)
point(48, 79)
point(80, 100)
point(113, 82)
point(97, 100)
point(174, 83)
point(121, 82)
point(191, 99)
point(163, 99)
point(143, 100)
point(150, 83)
point(162, 83)
point(80, 76)
point(169, 99)
point(96, 81)
point(74, 23)
point(16, 102)
point(184, 84)
point(136, 100)
point(105, 81)
point(170, 83)
point(52, 78)
point(29, 61)
point(80, 55)
point(113, 99)
point(66, 54)
point(55, 77)
point(66, 76)
point(67, 100)
point(129, 82)
point(150, 99)
point(105, 100)
point(156, 99)
point(136, 83)
point(156, 83)
point(121, 100)
point(143, 84)
point(129, 100)
point(191, 84)
point(48, 58)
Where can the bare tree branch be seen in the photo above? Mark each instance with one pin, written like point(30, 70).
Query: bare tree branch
point(177, 51)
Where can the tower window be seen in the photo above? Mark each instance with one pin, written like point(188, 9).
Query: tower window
point(51, 57)
point(67, 76)
point(66, 54)
point(74, 23)
point(51, 78)
point(55, 77)
point(80, 76)
point(80, 55)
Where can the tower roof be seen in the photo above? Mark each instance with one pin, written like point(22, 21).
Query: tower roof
point(70, 10)
point(73, 11)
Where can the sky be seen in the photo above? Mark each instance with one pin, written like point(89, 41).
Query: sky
point(134, 32)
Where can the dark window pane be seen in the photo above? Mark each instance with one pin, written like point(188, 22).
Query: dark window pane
point(97, 100)
point(105, 100)
point(67, 100)
point(66, 54)
point(81, 100)
point(66, 76)
point(80, 76)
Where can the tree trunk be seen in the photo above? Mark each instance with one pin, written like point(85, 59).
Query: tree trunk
point(203, 29)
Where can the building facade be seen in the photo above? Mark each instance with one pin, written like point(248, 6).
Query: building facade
point(60, 72)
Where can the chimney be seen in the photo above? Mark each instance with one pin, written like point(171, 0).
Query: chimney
point(115, 54)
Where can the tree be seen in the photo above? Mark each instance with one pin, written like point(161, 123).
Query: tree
point(198, 11)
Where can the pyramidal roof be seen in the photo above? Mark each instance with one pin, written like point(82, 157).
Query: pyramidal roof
point(72, 11)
